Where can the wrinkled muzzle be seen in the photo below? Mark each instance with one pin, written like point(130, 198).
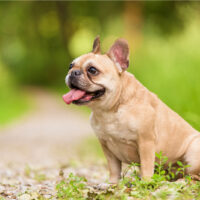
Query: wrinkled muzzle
point(82, 91)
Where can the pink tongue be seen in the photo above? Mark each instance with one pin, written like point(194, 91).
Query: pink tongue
point(73, 95)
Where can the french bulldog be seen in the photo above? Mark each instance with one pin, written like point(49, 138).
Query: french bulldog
point(131, 123)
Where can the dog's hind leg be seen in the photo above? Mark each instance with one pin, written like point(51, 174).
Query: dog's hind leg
point(192, 157)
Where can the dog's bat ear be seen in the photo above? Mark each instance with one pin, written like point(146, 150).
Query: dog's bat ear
point(96, 45)
point(119, 53)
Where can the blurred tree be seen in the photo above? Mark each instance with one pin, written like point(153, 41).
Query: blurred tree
point(165, 17)
point(133, 20)
point(39, 39)
point(35, 36)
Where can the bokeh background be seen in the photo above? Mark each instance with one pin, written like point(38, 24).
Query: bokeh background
point(39, 39)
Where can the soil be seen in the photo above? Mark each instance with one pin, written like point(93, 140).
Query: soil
point(36, 150)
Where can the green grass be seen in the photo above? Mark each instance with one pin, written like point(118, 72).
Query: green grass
point(13, 101)
point(72, 189)
point(161, 185)
point(171, 68)
point(12, 106)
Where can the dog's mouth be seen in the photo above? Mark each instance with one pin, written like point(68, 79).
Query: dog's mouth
point(80, 96)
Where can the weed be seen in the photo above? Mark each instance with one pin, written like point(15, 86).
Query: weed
point(161, 186)
point(40, 177)
point(27, 171)
point(182, 168)
point(72, 188)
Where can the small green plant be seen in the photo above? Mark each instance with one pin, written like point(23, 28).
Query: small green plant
point(181, 169)
point(27, 171)
point(132, 186)
point(132, 166)
point(40, 177)
point(73, 188)
point(160, 173)
point(170, 172)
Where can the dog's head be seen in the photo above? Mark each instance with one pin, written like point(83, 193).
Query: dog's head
point(94, 78)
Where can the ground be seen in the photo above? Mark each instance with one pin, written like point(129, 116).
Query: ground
point(40, 148)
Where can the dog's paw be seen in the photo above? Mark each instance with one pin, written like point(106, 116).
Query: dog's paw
point(102, 186)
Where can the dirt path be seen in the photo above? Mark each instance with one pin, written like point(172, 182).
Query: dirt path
point(33, 149)
point(44, 136)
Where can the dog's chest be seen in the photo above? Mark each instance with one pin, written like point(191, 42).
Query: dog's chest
point(113, 126)
point(120, 139)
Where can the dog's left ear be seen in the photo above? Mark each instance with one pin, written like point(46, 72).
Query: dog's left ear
point(119, 53)
point(96, 45)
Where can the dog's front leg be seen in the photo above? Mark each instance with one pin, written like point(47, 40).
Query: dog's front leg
point(147, 158)
point(114, 164)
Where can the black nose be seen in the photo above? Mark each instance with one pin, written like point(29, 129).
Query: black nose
point(76, 73)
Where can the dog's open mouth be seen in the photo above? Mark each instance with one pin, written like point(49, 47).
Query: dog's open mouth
point(78, 96)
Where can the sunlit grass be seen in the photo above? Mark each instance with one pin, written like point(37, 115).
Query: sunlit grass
point(171, 68)
point(13, 101)
point(12, 106)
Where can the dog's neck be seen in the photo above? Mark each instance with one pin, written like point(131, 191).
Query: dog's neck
point(130, 85)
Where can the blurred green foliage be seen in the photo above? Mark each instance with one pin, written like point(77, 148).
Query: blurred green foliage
point(171, 69)
point(38, 40)
point(13, 102)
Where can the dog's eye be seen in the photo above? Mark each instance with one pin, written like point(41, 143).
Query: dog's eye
point(93, 70)
point(71, 65)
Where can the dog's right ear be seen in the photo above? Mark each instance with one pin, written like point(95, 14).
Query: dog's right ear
point(96, 45)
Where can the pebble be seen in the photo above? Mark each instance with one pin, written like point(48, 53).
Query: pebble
point(15, 184)
point(25, 197)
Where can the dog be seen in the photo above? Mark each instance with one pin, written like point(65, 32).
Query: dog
point(131, 123)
